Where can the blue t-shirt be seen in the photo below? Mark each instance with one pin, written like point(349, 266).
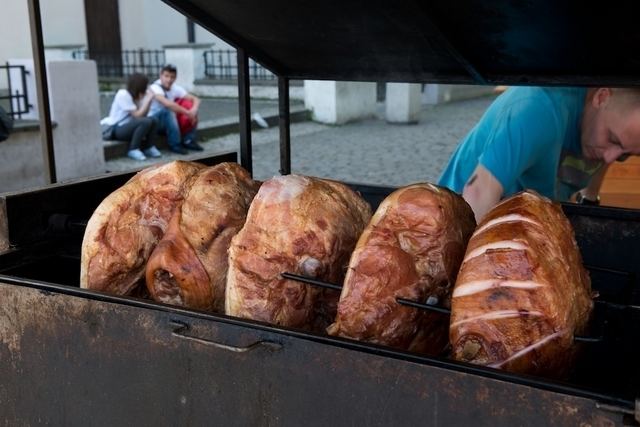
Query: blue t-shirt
point(529, 138)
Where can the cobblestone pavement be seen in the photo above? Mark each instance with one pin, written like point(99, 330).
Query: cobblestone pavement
point(369, 151)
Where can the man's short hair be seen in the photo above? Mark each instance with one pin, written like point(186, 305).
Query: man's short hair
point(169, 67)
point(626, 98)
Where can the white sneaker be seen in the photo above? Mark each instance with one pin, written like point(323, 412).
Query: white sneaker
point(136, 155)
point(152, 152)
point(259, 120)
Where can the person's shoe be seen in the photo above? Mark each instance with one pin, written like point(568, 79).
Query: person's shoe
point(193, 145)
point(259, 120)
point(136, 155)
point(152, 152)
point(178, 149)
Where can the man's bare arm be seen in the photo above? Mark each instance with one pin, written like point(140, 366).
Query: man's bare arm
point(592, 190)
point(143, 109)
point(195, 100)
point(482, 191)
point(172, 105)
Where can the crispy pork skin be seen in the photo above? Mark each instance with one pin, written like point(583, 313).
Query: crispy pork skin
point(126, 226)
point(522, 291)
point(300, 225)
point(412, 248)
point(188, 267)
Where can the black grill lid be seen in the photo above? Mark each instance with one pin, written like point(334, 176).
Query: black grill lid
point(548, 42)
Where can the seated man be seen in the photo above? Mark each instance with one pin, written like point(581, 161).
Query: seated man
point(557, 141)
point(164, 108)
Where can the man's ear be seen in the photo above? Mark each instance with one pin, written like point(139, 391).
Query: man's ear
point(601, 97)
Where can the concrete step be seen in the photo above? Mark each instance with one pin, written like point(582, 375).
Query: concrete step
point(209, 129)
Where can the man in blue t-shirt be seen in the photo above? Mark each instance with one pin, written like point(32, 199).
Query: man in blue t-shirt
point(557, 141)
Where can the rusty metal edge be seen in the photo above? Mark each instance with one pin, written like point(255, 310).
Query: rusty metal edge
point(4, 226)
point(601, 401)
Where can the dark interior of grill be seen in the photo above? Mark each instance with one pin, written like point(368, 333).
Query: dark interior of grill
point(606, 237)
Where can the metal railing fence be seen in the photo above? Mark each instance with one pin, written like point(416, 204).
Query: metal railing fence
point(125, 62)
point(222, 65)
point(14, 96)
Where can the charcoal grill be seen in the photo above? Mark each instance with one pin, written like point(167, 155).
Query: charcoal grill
point(73, 356)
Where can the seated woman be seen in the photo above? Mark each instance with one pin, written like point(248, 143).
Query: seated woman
point(129, 115)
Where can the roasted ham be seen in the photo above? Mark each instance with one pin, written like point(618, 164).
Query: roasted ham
point(126, 226)
point(300, 225)
point(412, 249)
point(522, 292)
point(189, 265)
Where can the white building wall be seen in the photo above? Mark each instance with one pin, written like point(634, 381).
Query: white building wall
point(58, 26)
point(15, 36)
point(205, 36)
point(63, 22)
point(152, 24)
point(132, 21)
point(149, 24)
point(163, 25)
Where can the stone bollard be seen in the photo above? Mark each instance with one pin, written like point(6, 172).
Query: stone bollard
point(336, 103)
point(439, 93)
point(189, 60)
point(77, 141)
point(75, 106)
point(403, 102)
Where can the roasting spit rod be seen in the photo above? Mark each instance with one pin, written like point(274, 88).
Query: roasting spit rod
point(407, 302)
point(310, 281)
point(422, 306)
point(66, 224)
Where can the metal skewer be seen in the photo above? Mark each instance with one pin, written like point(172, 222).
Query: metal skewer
point(407, 302)
point(311, 281)
point(402, 301)
point(422, 306)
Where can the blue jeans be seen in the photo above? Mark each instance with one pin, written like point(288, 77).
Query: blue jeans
point(168, 124)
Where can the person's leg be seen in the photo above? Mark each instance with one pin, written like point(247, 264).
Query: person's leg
point(146, 127)
point(138, 139)
point(189, 140)
point(149, 141)
point(124, 132)
point(168, 122)
point(132, 131)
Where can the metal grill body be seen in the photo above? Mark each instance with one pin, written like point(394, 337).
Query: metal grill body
point(199, 365)
point(147, 363)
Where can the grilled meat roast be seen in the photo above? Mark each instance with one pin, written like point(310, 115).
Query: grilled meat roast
point(522, 292)
point(412, 248)
point(300, 225)
point(188, 267)
point(126, 226)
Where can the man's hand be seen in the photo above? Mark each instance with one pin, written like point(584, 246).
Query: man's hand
point(482, 191)
point(592, 190)
point(195, 102)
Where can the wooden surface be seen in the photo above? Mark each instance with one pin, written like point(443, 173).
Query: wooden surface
point(621, 186)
